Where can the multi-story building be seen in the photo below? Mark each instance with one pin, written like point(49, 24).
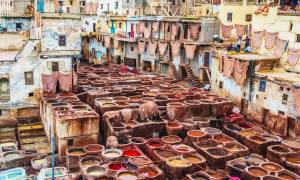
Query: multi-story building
point(267, 92)
point(114, 7)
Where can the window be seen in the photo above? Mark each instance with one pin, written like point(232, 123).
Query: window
point(4, 89)
point(68, 9)
point(120, 25)
point(127, 1)
point(70, 142)
point(281, 88)
point(30, 94)
point(71, 2)
point(221, 84)
point(291, 26)
point(62, 40)
point(229, 16)
point(28, 78)
point(281, 112)
point(55, 67)
point(132, 48)
point(298, 38)
point(107, 7)
point(284, 99)
point(117, 5)
point(135, 13)
point(183, 1)
point(262, 85)
point(18, 26)
point(248, 17)
point(101, 6)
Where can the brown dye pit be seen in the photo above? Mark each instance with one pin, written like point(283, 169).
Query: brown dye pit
point(196, 133)
point(171, 139)
point(193, 159)
point(108, 104)
point(292, 144)
point(139, 160)
point(173, 125)
point(223, 138)
point(215, 175)
point(271, 167)
point(165, 153)
point(147, 172)
point(286, 177)
point(294, 160)
point(218, 151)
point(280, 149)
point(234, 147)
point(258, 139)
point(256, 171)
point(208, 144)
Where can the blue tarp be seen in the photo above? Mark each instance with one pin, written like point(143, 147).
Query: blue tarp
point(40, 6)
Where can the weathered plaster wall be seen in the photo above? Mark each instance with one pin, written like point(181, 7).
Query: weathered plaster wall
point(87, 23)
point(9, 24)
point(51, 30)
point(64, 63)
point(13, 41)
point(27, 60)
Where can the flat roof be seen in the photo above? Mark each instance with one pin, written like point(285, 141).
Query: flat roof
point(253, 57)
point(280, 74)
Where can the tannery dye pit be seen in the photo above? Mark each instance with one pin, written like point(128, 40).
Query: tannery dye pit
point(158, 90)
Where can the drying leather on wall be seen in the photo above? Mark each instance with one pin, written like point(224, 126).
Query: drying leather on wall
point(279, 47)
point(116, 43)
point(240, 72)
point(155, 26)
point(175, 48)
point(190, 50)
point(49, 81)
point(162, 46)
point(296, 93)
point(174, 31)
point(147, 32)
point(240, 29)
point(65, 82)
point(293, 56)
point(281, 125)
point(152, 47)
point(256, 39)
point(194, 31)
point(228, 67)
point(226, 30)
point(271, 121)
point(270, 39)
point(107, 41)
point(141, 47)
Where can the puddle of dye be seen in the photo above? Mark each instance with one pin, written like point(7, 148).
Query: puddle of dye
point(294, 160)
point(271, 167)
point(257, 172)
point(131, 153)
point(155, 144)
point(115, 166)
point(127, 176)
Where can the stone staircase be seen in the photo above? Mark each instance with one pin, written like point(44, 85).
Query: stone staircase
point(172, 72)
point(191, 76)
point(32, 136)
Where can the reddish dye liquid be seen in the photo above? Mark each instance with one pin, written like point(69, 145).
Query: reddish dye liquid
point(116, 166)
point(131, 153)
point(155, 144)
